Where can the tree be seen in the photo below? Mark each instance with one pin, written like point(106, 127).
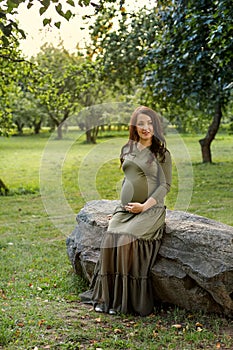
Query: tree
point(179, 54)
point(92, 91)
point(27, 111)
point(13, 70)
point(56, 83)
point(119, 39)
point(192, 60)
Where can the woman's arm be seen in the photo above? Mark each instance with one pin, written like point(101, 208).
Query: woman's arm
point(165, 178)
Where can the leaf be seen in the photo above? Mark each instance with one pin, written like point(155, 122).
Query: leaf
point(46, 21)
point(45, 3)
point(20, 324)
point(198, 324)
point(7, 30)
point(57, 24)
point(177, 326)
point(2, 294)
point(41, 322)
point(155, 333)
point(42, 10)
point(59, 9)
point(68, 15)
point(11, 5)
point(199, 329)
point(22, 33)
point(29, 5)
point(117, 331)
point(70, 2)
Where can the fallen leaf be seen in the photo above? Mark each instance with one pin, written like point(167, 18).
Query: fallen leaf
point(117, 330)
point(199, 324)
point(2, 294)
point(41, 322)
point(199, 327)
point(17, 333)
point(218, 345)
point(98, 320)
point(20, 324)
point(177, 326)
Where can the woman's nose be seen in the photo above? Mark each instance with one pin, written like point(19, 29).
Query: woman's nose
point(146, 127)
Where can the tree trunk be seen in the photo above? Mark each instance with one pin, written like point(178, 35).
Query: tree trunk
point(3, 189)
point(37, 127)
point(95, 131)
point(19, 127)
point(59, 132)
point(88, 136)
point(91, 134)
point(212, 131)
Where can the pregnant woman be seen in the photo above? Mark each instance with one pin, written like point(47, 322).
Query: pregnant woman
point(122, 278)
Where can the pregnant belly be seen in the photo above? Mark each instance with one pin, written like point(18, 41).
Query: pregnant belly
point(134, 192)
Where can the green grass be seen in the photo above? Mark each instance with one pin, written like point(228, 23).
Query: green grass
point(39, 305)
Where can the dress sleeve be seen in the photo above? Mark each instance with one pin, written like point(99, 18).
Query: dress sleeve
point(165, 178)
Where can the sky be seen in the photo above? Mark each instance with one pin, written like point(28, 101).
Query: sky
point(70, 33)
point(36, 34)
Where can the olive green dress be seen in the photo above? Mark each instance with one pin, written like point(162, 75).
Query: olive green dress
point(122, 278)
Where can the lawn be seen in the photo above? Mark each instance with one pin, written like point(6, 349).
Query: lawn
point(49, 182)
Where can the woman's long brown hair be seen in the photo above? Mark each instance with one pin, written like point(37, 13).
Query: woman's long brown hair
point(158, 145)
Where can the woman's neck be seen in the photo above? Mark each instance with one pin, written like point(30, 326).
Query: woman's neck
point(143, 144)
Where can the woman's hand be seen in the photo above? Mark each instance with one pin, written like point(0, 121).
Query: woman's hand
point(134, 207)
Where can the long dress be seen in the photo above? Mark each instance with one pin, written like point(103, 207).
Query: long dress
point(122, 278)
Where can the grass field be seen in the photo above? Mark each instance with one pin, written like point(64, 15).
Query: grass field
point(49, 182)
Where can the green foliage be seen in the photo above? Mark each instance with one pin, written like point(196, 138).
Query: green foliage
point(14, 71)
point(120, 47)
point(181, 52)
point(65, 83)
point(180, 55)
point(192, 56)
point(56, 86)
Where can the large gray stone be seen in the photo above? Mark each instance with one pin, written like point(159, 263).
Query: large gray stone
point(194, 268)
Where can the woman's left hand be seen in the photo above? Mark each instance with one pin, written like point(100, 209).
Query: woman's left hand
point(134, 207)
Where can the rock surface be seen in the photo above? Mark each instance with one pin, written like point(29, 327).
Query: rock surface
point(194, 268)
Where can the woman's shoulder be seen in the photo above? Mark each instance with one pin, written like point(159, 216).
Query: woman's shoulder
point(128, 147)
point(166, 157)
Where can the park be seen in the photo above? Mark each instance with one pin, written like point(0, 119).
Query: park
point(63, 120)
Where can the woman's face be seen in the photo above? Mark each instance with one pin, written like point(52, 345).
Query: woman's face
point(144, 128)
